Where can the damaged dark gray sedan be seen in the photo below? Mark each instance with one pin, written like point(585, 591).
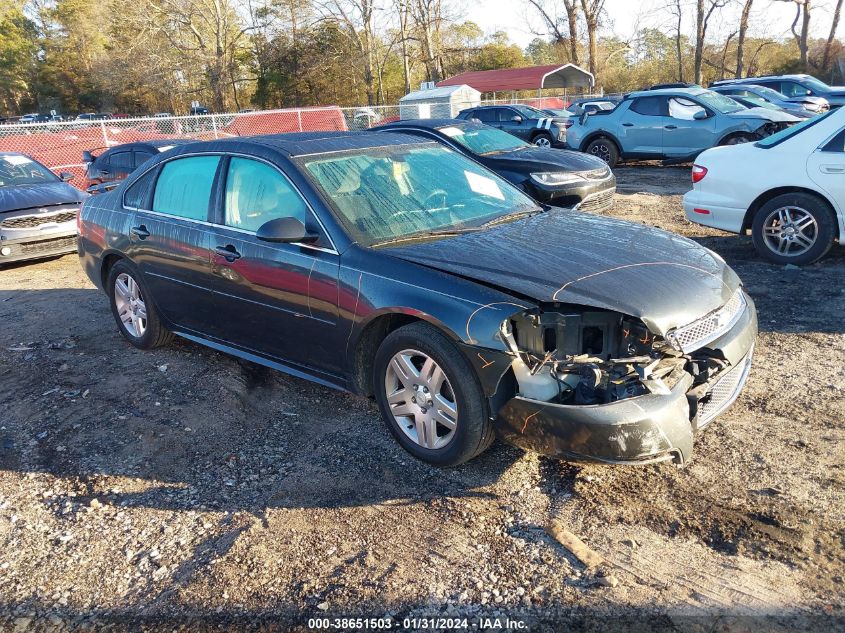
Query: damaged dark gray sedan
point(399, 269)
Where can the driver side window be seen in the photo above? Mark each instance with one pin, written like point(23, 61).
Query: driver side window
point(684, 109)
point(256, 193)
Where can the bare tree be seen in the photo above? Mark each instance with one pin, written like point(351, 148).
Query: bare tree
point(548, 14)
point(740, 41)
point(675, 7)
point(404, 13)
point(592, 10)
point(357, 17)
point(428, 18)
point(833, 26)
point(704, 11)
point(802, 14)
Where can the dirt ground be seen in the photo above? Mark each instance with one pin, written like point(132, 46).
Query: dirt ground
point(183, 487)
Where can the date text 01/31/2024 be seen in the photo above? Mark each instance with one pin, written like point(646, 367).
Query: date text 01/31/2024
point(418, 623)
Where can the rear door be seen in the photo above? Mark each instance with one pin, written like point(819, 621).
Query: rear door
point(169, 238)
point(641, 126)
point(274, 299)
point(685, 135)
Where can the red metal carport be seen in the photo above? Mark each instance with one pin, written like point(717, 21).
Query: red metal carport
point(529, 78)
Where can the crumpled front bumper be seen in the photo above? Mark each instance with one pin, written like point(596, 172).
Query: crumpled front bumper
point(644, 429)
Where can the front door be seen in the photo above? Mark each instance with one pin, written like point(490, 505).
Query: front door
point(826, 167)
point(274, 299)
point(684, 134)
point(170, 237)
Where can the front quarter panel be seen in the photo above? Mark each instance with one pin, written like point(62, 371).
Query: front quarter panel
point(374, 284)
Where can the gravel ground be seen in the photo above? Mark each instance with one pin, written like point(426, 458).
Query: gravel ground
point(183, 487)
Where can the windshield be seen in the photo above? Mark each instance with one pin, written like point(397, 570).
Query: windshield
point(19, 170)
point(388, 193)
point(815, 85)
point(528, 111)
point(753, 101)
point(719, 103)
point(780, 137)
point(483, 140)
point(768, 93)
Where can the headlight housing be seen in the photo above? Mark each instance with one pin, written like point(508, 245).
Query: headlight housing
point(556, 178)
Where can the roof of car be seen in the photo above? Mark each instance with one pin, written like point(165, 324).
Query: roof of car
point(429, 123)
point(305, 143)
point(692, 92)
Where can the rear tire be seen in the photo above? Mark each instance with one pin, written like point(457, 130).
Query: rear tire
point(450, 423)
point(602, 147)
point(794, 228)
point(133, 308)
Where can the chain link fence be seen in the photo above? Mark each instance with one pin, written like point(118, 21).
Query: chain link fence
point(60, 145)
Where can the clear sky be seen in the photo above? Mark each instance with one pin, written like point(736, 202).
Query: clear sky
point(771, 18)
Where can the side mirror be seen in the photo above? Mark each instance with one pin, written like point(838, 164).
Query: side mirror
point(700, 115)
point(284, 230)
point(516, 119)
point(66, 176)
point(87, 157)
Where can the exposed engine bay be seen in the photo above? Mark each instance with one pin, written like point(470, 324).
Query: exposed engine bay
point(770, 128)
point(596, 357)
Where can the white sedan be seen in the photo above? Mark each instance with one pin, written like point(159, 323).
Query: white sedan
point(787, 189)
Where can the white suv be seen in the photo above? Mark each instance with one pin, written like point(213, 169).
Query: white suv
point(787, 189)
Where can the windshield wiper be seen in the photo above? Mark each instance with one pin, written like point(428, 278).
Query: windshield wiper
point(509, 217)
point(426, 234)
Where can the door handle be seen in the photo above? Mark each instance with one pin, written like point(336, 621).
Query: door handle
point(671, 127)
point(627, 125)
point(228, 252)
point(832, 169)
point(140, 232)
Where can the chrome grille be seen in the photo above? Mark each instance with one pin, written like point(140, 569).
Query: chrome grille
point(724, 391)
point(33, 221)
point(710, 327)
point(597, 202)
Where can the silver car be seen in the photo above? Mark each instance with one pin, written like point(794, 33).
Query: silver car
point(37, 210)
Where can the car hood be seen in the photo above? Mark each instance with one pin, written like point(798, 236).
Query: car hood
point(540, 159)
point(45, 195)
point(576, 258)
point(764, 114)
point(802, 100)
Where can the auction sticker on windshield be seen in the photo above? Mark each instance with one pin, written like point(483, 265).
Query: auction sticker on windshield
point(483, 185)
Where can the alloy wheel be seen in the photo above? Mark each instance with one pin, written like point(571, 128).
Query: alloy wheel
point(543, 142)
point(130, 305)
point(790, 231)
point(421, 399)
point(600, 150)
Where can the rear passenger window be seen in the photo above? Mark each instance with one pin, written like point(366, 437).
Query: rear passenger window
point(121, 162)
point(649, 106)
point(485, 116)
point(138, 194)
point(256, 193)
point(184, 187)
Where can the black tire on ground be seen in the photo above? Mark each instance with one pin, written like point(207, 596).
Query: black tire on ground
point(604, 148)
point(155, 334)
point(543, 139)
point(799, 203)
point(474, 432)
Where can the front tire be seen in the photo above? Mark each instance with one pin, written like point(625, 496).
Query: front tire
point(604, 148)
point(430, 397)
point(543, 139)
point(133, 308)
point(794, 228)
